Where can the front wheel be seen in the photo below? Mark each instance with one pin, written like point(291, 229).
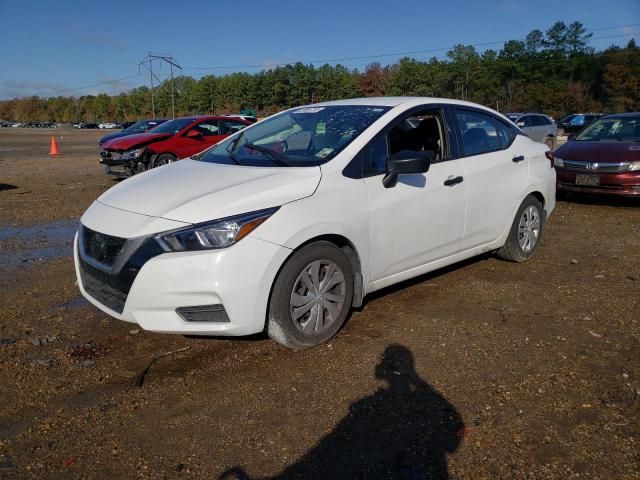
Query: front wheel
point(311, 296)
point(164, 159)
point(525, 232)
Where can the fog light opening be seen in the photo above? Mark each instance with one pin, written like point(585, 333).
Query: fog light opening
point(204, 313)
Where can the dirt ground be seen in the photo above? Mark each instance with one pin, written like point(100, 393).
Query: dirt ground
point(486, 370)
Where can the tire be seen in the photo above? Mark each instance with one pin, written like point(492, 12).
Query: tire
point(526, 230)
point(164, 159)
point(301, 313)
point(550, 142)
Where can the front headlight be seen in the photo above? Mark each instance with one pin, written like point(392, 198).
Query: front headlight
point(558, 162)
point(132, 154)
point(634, 167)
point(216, 234)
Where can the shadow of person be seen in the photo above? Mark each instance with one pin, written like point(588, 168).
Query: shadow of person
point(404, 430)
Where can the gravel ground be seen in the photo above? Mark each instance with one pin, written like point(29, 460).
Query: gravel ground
point(485, 370)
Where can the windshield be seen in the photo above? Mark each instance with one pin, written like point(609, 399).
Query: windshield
point(577, 120)
point(302, 137)
point(140, 126)
point(612, 129)
point(172, 126)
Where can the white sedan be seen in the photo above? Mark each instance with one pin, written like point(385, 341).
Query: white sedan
point(286, 225)
point(107, 125)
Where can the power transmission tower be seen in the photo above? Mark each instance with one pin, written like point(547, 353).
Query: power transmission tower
point(162, 58)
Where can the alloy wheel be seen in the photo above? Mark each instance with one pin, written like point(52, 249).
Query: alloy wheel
point(529, 228)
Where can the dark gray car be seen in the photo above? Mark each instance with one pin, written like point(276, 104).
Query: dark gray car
point(537, 126)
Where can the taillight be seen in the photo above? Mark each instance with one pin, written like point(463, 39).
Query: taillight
point(551, 156)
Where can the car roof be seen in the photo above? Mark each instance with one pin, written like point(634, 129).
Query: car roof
point(625, 114)
point(193, 118)
point(520, 114)
point(394, 101)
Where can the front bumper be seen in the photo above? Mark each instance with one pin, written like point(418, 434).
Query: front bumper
point(113, 164)
point(239, 278)
point(622, 184)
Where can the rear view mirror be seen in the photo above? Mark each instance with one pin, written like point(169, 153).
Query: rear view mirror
point(520, 124)
point(406, 162)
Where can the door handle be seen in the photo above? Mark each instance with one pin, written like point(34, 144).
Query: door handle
point(518, 159)
point(449, 182)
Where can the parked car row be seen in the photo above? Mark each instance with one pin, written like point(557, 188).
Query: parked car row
point(29, 125)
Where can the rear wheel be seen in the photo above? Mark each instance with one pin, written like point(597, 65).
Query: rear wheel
point(164, 159)
point(311, 296)
point(525, 232)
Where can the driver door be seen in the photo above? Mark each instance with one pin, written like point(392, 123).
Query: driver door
point(209, 133)
point(421, 219)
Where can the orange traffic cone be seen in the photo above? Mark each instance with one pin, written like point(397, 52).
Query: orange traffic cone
point(54, 147)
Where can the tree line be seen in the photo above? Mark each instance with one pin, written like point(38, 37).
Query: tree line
point(556, 72)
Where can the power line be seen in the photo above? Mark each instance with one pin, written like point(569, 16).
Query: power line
point(398, 54)
point(99, 84)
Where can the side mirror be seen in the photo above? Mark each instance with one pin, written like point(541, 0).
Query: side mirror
point(194, 134)
point(406, 162)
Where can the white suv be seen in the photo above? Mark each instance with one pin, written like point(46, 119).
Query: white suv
point(289, 223)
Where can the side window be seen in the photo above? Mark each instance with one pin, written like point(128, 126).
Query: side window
point(482, 133)
point(208, 128)
point(545, 121)
point(527, 121)
point(376, 155)
point(421, 131)
point(229, 127)
point(536, 121)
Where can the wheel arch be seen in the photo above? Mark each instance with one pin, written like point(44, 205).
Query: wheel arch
point(350, 250)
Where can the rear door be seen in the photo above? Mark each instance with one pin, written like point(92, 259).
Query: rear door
point(496, 173)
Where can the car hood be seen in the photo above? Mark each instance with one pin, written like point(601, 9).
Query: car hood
point(136, 140)
point(111, 136)
point(599, 151)
point(193, 192)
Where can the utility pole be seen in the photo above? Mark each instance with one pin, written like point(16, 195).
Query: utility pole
point(163, 58)
point(169, 59)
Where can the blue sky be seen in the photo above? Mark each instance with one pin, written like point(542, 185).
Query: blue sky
point(48, 48)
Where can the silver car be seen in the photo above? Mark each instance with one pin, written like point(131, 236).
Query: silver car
point(537, 126)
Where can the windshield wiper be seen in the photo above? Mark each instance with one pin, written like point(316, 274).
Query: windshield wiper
point(235, 141)
point(278, 158)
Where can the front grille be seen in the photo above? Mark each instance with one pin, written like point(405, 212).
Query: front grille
point(600, 167)
point(96, 283)
point(109, 265)
point(100, 247)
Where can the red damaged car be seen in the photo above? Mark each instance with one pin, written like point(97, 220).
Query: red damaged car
point(166, 143)
point(603, 158)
